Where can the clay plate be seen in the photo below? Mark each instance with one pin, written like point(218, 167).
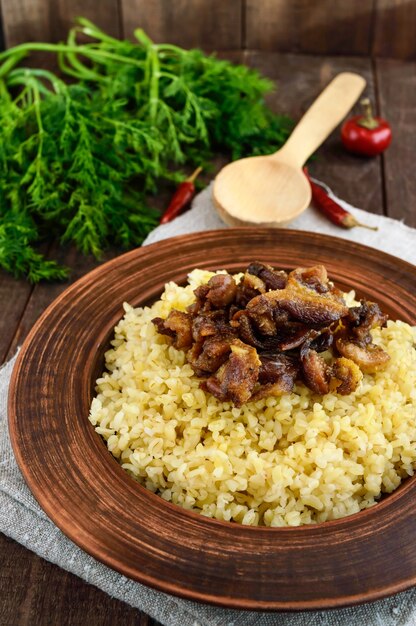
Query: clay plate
point(94, 502)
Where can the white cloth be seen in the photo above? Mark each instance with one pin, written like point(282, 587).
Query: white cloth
point(392, 236)
point(22, 519)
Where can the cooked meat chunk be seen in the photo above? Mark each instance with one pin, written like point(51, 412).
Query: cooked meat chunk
point(302, 302)
point(316, 373)
point(303, 305)
point(362, 319)
point(281, 386)
point(249, 286)
point(315, 278)
point(203, 326)
point(321, 340)
point(287, 335)
point(236, 380)
point(275, 367)
point(370, 358)
point(258, 337)
point(177, 325)
point(201, 304)
point(212, 353)
point(159, 322)
point(342, 377)
point(345, 376)
point(210, 323)
point(222, 290)
point(293, 335)
point(254, 282)
point(310, 305)
point(271, 278)
point(201, 292)
point(246, 331)
point(277, 375)
point(258, 279)
point(262, 313)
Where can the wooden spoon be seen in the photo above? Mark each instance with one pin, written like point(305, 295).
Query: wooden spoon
point(272, 190)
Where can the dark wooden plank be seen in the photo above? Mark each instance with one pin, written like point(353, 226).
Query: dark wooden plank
point(323, 27)
point(397, 96)
point(1, 32)
point(394, 29)
point(44, 293)
point(214, 25)
point(39, 20)
point(14, 295)
point(26, 598)
point(13, 558)
point(299, 80)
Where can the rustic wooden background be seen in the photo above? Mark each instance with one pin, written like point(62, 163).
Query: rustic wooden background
point(301, 44)
point(384, 28)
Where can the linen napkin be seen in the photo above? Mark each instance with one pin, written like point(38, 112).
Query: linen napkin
point(22, 519)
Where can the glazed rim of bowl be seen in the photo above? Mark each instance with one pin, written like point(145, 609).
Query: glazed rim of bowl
point(361, 521)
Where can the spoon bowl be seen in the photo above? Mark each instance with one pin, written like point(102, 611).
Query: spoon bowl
point(263, 191)
point(272, 190)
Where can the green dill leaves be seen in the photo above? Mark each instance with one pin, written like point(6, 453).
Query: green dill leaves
point(78, 159)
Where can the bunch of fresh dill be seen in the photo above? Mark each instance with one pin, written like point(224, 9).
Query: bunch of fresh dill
point(79, 157)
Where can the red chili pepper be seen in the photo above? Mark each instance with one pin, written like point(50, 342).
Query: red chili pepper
point(182, 196)
point(333, 211)
point(366, 134)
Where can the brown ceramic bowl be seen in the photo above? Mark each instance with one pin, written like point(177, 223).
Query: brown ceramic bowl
point(86, 493)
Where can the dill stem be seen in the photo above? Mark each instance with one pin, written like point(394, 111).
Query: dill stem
point(83, 49)
point(154, 83)
point(25, 73)
point(36, 104)
point(170, 47)
point(86, 27)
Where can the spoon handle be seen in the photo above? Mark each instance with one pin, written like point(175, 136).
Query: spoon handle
point(328, 110)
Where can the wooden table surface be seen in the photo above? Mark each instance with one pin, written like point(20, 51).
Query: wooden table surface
point(35, 592)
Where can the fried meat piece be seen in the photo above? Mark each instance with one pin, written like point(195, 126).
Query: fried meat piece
point(247, 332)
point(236, 379)
point(274, 367)
point(304, 303)
point(369, 358)
point(316, 278)
point(257, 279)
point(277, 375)
point(244, 325)
point(210, 323)
point(294, 334)
point(203, 326)
point(316, 373)
point(345, 376)
point(271, 278)
point(362, 319)
point(261, 312)
point(222, 290)
point(287, 335)
point(342, 376)
point(207, 357)
point(249, 287)
point(200, 303)
point(178, 326)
